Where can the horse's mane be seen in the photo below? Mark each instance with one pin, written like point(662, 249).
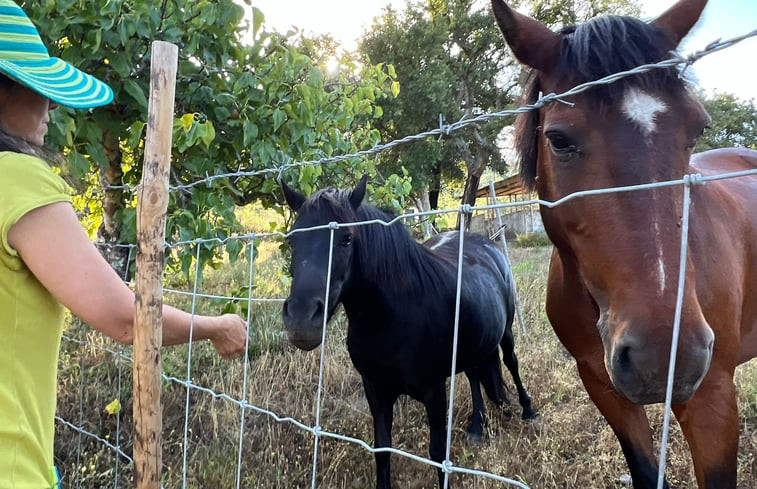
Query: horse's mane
point(379, 245)
point(600, 47)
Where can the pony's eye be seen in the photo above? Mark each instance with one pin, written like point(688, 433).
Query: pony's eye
point(346, 240)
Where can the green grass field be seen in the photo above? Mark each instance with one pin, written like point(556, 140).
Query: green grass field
point(569, 446)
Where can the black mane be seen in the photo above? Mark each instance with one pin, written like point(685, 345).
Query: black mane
point(377, 245)
point(600, 47)
point(396, 246)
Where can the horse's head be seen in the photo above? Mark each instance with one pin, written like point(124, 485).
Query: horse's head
point(304, 308)
point(640, 129)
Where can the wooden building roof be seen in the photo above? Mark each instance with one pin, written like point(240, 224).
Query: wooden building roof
point(509, 186)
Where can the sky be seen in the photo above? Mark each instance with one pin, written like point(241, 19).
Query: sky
point(732, 70)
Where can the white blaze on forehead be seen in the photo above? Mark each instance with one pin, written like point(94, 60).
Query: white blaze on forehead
point(642, 109)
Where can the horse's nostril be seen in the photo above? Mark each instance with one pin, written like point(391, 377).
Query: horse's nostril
point(623, 359)
point(318, 312)
point(285, 309)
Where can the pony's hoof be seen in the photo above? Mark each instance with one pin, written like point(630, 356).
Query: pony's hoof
point(529, 414)
point(475, 439)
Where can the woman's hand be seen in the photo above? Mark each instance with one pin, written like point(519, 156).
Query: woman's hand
point(229, 335)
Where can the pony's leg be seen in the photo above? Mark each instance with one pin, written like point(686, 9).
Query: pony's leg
point(511, 362)
point(478, 417)
point(710, 423)
point(435, 401)
point(381, 404)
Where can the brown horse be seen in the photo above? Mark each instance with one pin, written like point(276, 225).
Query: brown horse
point(613, 283)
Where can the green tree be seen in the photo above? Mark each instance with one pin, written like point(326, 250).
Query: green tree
point(239, 108)
point(559, 13)
point(448, 63)
point(734, 123)
point(450, 60)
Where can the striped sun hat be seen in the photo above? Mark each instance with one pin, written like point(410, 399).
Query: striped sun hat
point(24, 58)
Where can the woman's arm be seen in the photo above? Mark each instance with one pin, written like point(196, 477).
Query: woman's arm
point(52, 243)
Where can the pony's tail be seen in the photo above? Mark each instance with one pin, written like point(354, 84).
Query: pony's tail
point(490, 372)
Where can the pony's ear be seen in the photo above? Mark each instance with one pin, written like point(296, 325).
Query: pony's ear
point(358, 193)
point(293, 198)
point(532, 43)
point(680, 18)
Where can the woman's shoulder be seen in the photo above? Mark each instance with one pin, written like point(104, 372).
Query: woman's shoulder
point(22, 171)
point(12, 159)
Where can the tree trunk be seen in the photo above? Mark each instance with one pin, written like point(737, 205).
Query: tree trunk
point(424, 206)
point(434, 187)
point(113, 201)
point(476, 156)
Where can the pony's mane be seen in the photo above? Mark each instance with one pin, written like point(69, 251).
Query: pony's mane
point(377, 245)
point(380, 245)
point(600, 47)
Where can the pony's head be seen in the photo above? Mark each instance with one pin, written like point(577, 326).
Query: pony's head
point(304, 309)
point(640, 129)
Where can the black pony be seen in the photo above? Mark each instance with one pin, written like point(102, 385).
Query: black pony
point(399, 297)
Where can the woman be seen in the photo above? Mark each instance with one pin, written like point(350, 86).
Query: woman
point(47, 262)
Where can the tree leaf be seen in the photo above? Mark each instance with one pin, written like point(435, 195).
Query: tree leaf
point(133, 89)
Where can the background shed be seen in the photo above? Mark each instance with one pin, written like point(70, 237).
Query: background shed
point(517, 219)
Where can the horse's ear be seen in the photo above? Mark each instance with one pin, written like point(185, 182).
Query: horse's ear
point(532, 43)
point(358, 193)
point(680, 18)
point(293, 198)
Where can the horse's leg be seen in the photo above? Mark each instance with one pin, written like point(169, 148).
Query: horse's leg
point(574, 316)
point(435, 401)
point(511, 362)
point(628, 421)
point(478, 417)
point(710, 423)
point(381, 404)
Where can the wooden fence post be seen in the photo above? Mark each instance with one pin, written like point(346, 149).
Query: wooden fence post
point(151, 223)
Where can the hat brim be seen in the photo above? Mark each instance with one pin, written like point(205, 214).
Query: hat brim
point(60, 82)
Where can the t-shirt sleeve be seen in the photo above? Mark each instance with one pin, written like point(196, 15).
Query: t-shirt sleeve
point(26, 183)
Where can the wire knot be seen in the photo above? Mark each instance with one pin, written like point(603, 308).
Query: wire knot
point(447, 466)
point(552, 97)
point(466, 209)
point(444, 129)
point(333, 225)
point(694, 179)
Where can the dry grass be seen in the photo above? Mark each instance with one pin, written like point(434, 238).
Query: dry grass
point(570, 446)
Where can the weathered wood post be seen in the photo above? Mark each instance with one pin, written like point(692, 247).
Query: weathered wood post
point(151, 221)
point(503, 239)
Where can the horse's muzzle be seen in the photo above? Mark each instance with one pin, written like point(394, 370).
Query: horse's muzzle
point(306, 343)
point(639, 367)
point(303, 321)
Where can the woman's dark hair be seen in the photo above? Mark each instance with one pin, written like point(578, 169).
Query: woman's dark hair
point(19, 145)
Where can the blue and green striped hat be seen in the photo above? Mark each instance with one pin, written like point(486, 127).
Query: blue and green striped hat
point(24, 58)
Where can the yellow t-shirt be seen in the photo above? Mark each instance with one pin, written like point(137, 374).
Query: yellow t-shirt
point(31, 322)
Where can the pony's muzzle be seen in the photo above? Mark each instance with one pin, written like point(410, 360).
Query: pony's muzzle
point(638, 364)
point(303, 321)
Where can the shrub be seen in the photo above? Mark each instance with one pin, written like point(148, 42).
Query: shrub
point(532, 240)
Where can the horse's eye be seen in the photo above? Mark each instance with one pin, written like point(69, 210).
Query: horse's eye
point(561, 145)
point(346, 240)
